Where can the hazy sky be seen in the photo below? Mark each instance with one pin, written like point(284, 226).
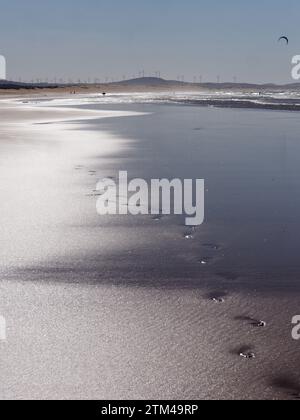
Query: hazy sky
point(112, 38)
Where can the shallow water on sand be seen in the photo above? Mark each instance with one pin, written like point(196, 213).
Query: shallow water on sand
point(250, 163)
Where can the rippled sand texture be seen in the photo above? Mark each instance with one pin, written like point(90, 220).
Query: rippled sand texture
point(141, 307)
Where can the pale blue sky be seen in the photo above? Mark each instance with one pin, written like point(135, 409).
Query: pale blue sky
point(112, 38)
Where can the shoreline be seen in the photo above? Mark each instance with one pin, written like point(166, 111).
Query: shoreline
point(267, 100)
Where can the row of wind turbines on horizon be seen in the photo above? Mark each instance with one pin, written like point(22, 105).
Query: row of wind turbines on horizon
point(104, 80)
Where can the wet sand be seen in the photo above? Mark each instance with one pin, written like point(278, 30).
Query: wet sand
point(120, 307)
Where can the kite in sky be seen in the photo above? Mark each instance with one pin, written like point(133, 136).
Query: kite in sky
point(284, 38)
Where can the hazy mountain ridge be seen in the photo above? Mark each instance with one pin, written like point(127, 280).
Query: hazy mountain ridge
point(149, 82)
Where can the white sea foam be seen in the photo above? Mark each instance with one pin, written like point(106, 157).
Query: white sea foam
point(236, 98)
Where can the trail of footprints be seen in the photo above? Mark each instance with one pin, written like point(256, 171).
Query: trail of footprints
point(220, 297)
point(245, 352)
point(217, 297)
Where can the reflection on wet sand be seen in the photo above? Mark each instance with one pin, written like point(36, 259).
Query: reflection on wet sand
point(122, 307)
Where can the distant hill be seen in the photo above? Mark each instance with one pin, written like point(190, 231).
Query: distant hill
point(150, 82)
point(145, 81)
point(153, 81)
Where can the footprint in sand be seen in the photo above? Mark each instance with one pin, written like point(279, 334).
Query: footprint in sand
point(260, 324)
point(189, 234)
point(249, 355)
point(205, 260)
point(245, 352)
point(217, 297)
point(218, 300)
point(252, 321)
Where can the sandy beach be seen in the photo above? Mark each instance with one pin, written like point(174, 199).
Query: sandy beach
point(119, 308)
